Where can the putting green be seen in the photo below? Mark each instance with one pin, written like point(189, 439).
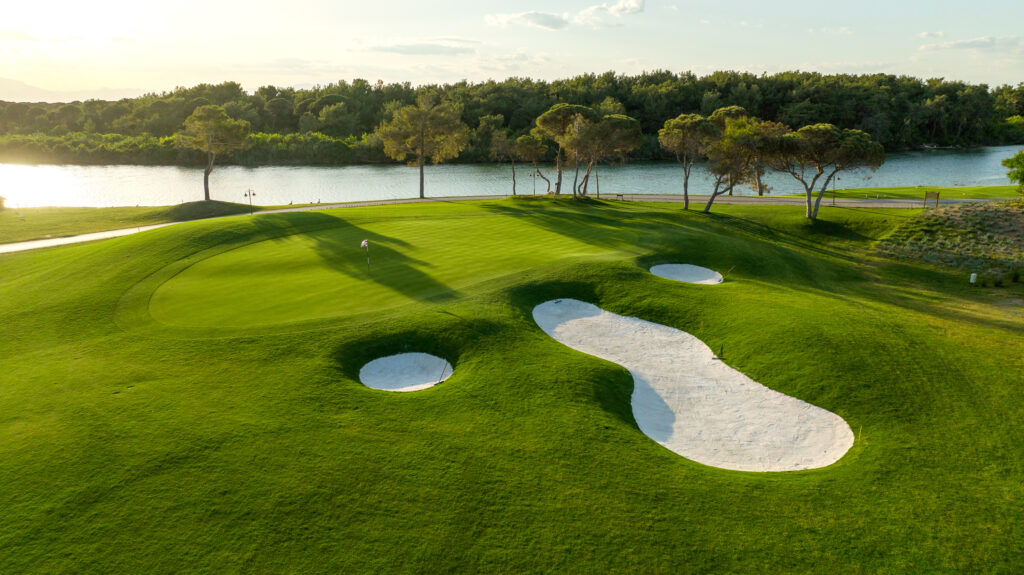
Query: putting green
point(323, 273)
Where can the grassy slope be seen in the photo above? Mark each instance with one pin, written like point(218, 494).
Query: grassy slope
point(130, 445)
point(987, 238)
point(917, 192)
point(37, 223)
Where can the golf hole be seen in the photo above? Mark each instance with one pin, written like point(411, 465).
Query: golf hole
point(405, 372)
point(687, 273)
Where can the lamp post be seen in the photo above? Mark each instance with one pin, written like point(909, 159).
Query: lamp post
point(249, 194)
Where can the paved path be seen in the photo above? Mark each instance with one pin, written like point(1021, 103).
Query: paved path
point(696, 202)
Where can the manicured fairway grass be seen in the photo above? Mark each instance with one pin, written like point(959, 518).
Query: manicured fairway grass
point(142, 434)
point(917, 192)
point(18, 225)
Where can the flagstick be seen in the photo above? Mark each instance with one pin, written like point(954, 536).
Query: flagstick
point(367, 258)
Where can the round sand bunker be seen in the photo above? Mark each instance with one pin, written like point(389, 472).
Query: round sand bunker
point(405, 372)
point(687, 273)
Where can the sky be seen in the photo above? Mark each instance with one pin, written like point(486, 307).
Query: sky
point(63, 50)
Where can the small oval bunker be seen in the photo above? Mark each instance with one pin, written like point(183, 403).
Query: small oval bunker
point(687, 273)
point(405, 372)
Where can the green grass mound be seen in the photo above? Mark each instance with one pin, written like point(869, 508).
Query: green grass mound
point(141, 437)
point(38, 223)
point(987, 238)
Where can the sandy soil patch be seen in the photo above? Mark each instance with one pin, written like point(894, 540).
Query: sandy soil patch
point(405, 372)
point(694, 404)
point(687, 273)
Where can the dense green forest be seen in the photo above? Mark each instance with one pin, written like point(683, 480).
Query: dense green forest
point(334, 124)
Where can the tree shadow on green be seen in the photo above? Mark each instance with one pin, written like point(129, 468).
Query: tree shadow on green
point(337, 242)
point(753, 249)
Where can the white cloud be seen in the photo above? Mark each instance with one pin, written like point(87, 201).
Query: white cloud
point(424, 49)
point(17, 35)
point(840, 31)
point(626, 7)
point(455, 40)
point(544, 20)
point(929, 35)
point(988, 43)
point(592, 16)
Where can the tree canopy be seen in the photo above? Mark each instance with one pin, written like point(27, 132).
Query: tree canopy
point(814, 154)
point(334, 124)
point(686, 137)
point(430, 129)
point(1016, 173)
point(209, 129)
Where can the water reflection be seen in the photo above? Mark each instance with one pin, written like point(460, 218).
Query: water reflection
point(105, 186)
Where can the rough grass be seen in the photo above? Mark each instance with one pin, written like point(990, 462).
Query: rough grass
point(133, 443)
point(987, 238)
point(17, 225)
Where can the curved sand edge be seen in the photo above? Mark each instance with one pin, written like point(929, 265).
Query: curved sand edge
point(695, 405)
point(405, 372)
point(687, 273)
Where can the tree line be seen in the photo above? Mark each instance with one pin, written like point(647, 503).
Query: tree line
point(335, 124)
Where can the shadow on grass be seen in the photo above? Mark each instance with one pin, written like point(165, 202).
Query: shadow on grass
point(612, 391)
point(717, 241)
point(337, 243)
point(445, 336)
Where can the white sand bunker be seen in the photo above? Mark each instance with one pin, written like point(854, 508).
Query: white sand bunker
point(687, 273)
point(696, 405)
point(405, 372)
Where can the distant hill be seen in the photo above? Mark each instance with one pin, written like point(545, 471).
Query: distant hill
point(18, 91)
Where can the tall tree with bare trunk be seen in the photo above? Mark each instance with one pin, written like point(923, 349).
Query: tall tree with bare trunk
point(430, 129)
point(211, 130)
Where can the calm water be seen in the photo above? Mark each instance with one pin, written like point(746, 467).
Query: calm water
point(103, 186)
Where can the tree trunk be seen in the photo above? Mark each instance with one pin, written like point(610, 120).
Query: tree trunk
point(715, 193)
point(707, 208)
point(821, 192)
point(558, 168)
point(757, 179)
point(421, 175)
point(686, 183)
point(597, 179)
point(543, 177)
point(586, 180)
point(206, 173)
point(575, 178)
point(513, 176)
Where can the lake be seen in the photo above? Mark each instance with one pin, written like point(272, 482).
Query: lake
point(104, 186)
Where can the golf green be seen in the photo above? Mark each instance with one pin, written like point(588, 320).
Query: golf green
point(324, 273)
